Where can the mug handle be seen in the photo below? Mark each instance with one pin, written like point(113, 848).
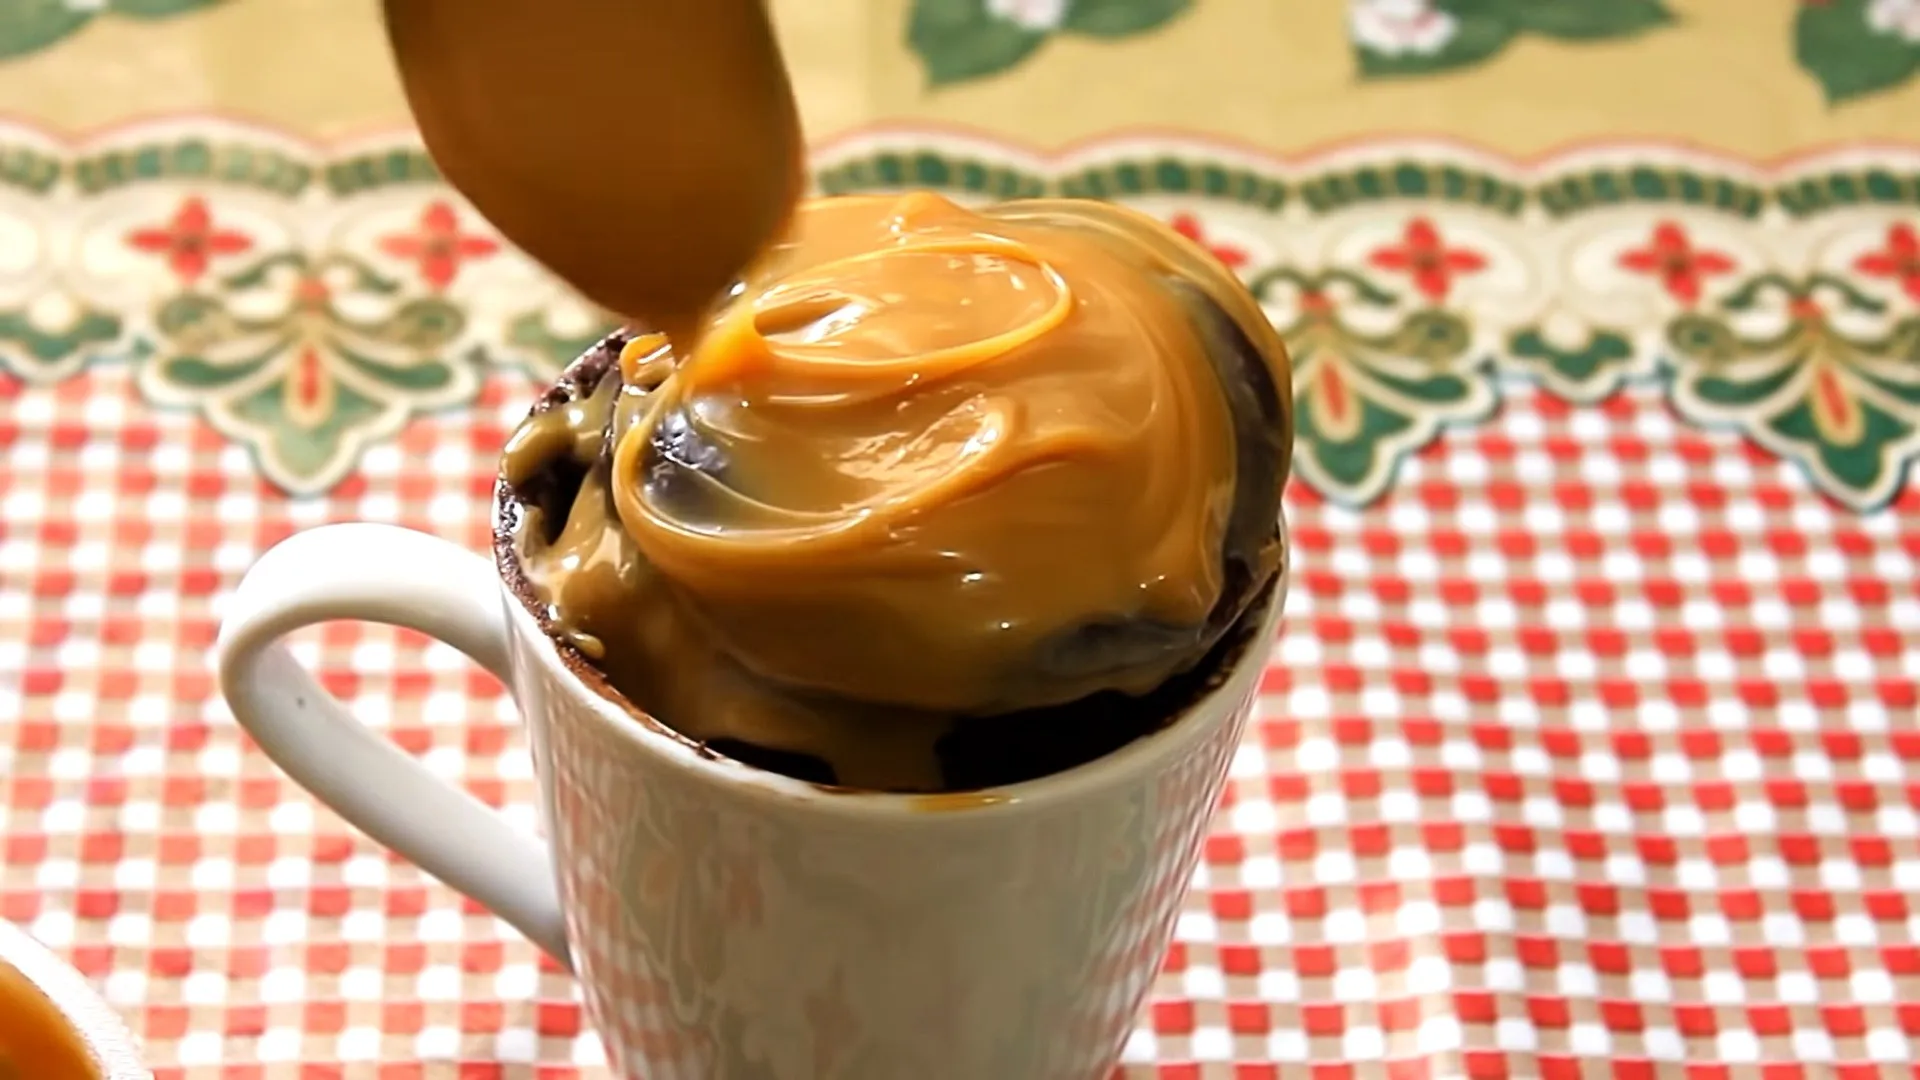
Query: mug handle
point(384, 574)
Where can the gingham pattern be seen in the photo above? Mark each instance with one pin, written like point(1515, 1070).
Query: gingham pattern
point(1590, 751)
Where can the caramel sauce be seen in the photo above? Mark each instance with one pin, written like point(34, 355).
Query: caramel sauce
point(949, 439)
point(35, 1042)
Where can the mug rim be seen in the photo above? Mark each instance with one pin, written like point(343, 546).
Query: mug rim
point(1121, 766)
point(104, 1036)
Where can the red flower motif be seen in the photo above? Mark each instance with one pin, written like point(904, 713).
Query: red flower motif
point(1425, 257)
point(1681, 268)
point(1899, 260)
point(188, 240)
point(1187, 225)
point(438, 247)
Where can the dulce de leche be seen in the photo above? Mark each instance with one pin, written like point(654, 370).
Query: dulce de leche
point(926, 463)
point(926, 452)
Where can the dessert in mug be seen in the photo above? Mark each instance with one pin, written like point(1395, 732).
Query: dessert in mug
point(903, 496)
point(941, 498)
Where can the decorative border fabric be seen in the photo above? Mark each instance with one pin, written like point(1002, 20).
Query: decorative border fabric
point(309, 302)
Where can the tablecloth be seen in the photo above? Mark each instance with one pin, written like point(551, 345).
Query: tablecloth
point(1589, 747)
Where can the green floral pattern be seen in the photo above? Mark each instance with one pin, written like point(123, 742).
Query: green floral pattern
point(1420, 37)
point(959, 40)
point(1851, 48)
point(28, 26)
point(309, 304)
point(1789, 362)
point(1365, 399)
point(56, 343)
point(1857, 47)
point(306, 359)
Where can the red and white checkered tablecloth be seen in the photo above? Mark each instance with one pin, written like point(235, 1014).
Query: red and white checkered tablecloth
point(1590, 748)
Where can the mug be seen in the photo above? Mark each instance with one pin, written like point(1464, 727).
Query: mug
point(729, 923)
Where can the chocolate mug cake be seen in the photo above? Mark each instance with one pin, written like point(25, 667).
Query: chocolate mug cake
point(943, 499)
point(969, 519)
point(898, 487)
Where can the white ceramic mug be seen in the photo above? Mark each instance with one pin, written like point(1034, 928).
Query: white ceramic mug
point(732, 924)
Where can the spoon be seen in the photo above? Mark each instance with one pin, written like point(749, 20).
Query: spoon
point(645, 151)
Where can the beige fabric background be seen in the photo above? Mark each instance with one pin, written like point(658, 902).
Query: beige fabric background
point(1273, 72)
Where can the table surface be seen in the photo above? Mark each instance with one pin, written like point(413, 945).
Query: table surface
point(1588, 748)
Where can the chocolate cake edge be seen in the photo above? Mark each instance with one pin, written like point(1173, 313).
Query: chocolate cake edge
point(578, 379)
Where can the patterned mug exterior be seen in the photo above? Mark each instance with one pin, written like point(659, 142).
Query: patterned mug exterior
point(729, 923)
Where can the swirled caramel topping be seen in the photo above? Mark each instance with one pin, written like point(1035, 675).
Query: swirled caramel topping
point(1093, 457)
point(925, 451)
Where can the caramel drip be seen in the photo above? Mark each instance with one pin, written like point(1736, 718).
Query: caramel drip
point(950, 438)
